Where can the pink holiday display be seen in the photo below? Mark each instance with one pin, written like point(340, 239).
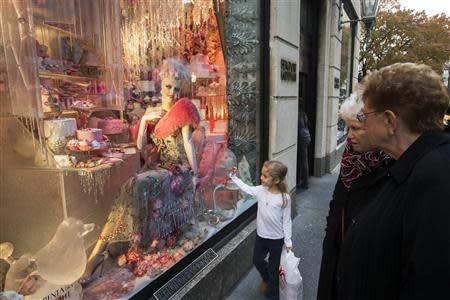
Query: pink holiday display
point(90, 134)
point(110, 125)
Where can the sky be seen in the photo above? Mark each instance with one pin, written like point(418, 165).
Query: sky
point(431, 7)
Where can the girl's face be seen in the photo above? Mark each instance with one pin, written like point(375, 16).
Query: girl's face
point(266, 179)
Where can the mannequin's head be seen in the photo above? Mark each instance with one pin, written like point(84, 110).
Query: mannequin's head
point(174, 75)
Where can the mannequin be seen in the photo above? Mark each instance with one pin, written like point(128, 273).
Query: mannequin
point(185, 116)
point(155, 204)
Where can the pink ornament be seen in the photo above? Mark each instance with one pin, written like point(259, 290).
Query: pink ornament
point(176, 185)
point(134, 129)
point(101, 89)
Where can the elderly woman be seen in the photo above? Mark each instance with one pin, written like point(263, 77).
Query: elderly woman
point(355, 188)
point(399, 246)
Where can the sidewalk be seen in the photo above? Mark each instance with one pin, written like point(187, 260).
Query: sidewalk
point(308, 232)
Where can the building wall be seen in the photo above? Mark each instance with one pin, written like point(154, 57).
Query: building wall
point(327, 153)
point(284, 44)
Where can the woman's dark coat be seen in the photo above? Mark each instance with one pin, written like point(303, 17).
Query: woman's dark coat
point(399, 245)
point(352, 200)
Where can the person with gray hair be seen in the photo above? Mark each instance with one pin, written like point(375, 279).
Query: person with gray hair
point(360, 166)
point(399, 248)
point(351, 107)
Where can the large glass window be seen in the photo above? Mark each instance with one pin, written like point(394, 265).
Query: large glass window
point(123, 122)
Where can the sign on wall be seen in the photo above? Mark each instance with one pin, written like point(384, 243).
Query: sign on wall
point(288, 70)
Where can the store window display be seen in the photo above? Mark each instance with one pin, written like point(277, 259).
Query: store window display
point(179, 198)
point(156, 204)
point(150, 171)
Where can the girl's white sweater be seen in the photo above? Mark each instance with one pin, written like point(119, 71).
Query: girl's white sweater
point(272, 220)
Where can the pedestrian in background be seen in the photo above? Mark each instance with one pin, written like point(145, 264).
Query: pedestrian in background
point(273, 223)
point(354, 190)
point(304, 139)
point(398, 246)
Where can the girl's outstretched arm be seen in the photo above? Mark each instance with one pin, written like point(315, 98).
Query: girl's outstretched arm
point(251, 190)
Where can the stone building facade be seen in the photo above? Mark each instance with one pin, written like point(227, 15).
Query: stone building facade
point(310, 35)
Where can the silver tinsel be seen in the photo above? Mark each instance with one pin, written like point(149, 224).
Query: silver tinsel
point(94, 182)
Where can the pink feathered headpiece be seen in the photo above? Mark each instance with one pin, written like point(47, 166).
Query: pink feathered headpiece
point(182, 113)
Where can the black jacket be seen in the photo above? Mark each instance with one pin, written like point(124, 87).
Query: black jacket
point(344, 206)
point(399, 245)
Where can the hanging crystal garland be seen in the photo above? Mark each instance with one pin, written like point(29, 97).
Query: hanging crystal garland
point(95, 182)
point(156, 29)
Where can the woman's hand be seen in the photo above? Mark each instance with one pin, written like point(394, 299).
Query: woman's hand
point(233, 171)
point(288, 249)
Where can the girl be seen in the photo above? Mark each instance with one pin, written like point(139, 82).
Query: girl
point(273, 222)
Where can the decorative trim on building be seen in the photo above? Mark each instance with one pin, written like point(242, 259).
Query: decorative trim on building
point(242, 53)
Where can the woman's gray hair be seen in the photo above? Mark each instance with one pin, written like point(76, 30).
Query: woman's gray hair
point(351, 107)
point(174, 67)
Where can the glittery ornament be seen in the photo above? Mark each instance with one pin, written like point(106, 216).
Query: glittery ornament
point(57, 144)
point(94, 182)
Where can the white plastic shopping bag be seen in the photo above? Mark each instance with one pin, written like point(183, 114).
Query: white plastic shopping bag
point(291, 282)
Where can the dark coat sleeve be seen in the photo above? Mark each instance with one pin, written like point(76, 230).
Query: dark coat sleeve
point(426, 231)
point(331, 244)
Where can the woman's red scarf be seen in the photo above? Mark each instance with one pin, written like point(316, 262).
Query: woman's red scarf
point(355, 164)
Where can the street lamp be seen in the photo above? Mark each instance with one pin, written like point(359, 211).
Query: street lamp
point(368, 14)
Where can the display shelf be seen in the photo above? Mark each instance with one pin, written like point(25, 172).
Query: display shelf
point(66, 77)
point(63, 31)
point(97, 109)
point(78, 37)
point(92, 110)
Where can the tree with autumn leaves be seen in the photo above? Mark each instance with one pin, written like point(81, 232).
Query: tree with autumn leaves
point(403, 35)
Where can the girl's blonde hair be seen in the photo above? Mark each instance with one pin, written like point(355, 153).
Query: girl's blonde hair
point(277, 170)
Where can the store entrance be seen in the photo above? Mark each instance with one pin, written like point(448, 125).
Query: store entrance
point(309, 12)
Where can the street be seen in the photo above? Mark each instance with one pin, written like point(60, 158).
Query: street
point(307, 235)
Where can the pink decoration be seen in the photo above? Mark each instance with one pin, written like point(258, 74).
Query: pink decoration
point(90, 134)
point(155, 74)
point(134, 129)
point(101, 89)
point(182, 113)
point(211, 119)
point(207, 162)
point(110, 125)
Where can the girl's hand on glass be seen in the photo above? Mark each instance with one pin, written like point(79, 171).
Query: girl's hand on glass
point(233, 171)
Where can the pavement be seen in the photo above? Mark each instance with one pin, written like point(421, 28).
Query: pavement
point(308, 230)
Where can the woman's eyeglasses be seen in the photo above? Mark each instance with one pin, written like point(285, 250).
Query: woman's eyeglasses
point(362, 116)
